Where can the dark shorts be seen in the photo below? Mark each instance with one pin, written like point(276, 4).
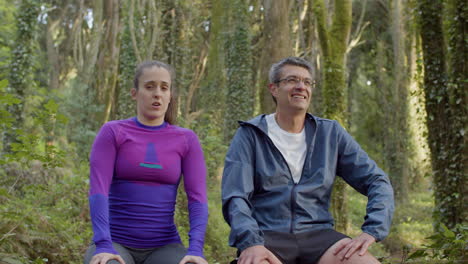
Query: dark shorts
point(301, 248)
point(168, 254)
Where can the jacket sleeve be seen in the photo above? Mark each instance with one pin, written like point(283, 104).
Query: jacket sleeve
point(194, 170)
point(362, 173)
point(237, 189)
point(102, 160)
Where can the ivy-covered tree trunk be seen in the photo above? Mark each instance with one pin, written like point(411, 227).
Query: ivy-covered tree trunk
point(457, 17)
point(277, 45)
point(333, 41)
point(21, 68)
point(212, 93)
point(239, 99)
point(125, 107)
point(446, 155)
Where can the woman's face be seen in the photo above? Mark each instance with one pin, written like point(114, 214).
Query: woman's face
point(153, 95)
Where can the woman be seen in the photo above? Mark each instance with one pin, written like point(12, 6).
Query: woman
point(135, 169)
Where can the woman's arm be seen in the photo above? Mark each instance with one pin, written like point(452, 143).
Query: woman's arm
point(194, 171)
point(102, 161)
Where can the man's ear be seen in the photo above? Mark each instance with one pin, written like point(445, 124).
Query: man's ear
point(133, 93)
point(273, 89)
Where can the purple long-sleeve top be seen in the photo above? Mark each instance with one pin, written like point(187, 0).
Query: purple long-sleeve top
point(135, 171)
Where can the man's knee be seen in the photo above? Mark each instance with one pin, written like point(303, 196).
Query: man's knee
point(329, 257)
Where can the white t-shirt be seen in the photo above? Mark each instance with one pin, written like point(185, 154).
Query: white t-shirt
point(291, 145)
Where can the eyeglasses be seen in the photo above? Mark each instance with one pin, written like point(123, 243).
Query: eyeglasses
point(293, 80)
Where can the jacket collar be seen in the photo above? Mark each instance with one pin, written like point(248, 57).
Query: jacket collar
point(261, 123)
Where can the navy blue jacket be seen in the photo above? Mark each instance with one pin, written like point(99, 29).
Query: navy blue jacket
point(259, 193)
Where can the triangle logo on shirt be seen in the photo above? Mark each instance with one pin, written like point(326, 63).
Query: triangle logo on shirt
point(151, 158)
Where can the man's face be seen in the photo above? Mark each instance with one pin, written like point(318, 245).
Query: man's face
point(294, 90)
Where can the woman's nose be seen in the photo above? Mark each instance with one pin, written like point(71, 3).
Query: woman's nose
point(157, 92)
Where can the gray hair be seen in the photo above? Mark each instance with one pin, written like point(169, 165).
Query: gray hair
point(275, 70)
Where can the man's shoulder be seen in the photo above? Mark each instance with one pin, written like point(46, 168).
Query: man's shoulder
point(256, 121)
point(320, 120)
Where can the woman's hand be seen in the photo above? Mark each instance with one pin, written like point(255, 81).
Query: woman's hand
point(102, 258)
point(257, 255)
point(193, 259)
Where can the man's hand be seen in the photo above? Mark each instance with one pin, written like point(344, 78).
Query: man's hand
point(193, 260)
point(257, 255)
point(102, 258)
point(348, 247)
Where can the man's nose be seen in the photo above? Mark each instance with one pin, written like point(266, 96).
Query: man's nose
point(300, 85)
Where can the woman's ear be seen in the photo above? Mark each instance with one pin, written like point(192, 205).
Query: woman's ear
point(133, 93)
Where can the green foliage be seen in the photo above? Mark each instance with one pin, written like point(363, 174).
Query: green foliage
point(80, 109)
point(26, 147)
point(6, 100)
point(7, 33)
point(41, 205)
point(44, 222)
point(448, 245)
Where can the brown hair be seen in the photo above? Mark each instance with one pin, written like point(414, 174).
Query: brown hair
point(171, 114)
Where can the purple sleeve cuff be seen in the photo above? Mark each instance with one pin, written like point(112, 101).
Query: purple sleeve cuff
point(198, 215)
point(99, 210)
point(105, 247)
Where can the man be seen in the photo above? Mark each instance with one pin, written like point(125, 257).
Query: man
point(278, 177)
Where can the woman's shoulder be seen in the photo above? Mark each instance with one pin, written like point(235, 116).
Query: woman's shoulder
point(115, 126)
point(118, 122)
point(186, 132)
point(180, 129)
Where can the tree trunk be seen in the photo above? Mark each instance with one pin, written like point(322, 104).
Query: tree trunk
point(396, 149)
point(439, 116)
point(277, 45)
point(21, 70)
point(108, 59)
point(239, 100)
point(458, 72)
point(333, 41)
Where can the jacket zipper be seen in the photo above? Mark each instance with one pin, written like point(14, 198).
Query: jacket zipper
point(293, 200)
point(291, 227)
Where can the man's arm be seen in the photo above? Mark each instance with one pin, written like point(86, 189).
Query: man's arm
point(362, 173)
point(237, 188)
